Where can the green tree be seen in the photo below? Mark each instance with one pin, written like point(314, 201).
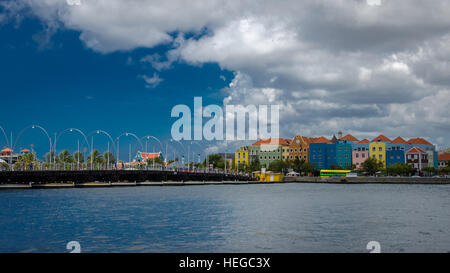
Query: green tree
point(277, 166)
point(49, 157)
point(97, 159)
point(217, 161)
point(65, 157)
point(26, 162)
point(109, 156)
point(371, 166)
point(429, 170)
point(78, 157)
point(255, 165)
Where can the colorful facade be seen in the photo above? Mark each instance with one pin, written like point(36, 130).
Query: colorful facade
point(377, 148)
point(443, 160)
point(242, 156)
point(269, 150)
point(360, 152)
point(417, 158)
point(322, 153)
point(298, 148)
point(344, 154)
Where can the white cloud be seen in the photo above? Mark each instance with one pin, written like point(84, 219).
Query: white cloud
point(151, 82)
point(363, 66)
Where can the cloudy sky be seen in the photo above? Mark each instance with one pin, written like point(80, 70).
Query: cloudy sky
point(361, 66)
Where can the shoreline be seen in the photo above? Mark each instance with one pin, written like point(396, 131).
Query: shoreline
point(286, 180)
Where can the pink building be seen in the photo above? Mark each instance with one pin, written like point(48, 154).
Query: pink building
point(360, 152)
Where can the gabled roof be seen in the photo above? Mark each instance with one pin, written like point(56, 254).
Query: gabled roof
point(398, 140)
point(25, 151)
point(364, 141)
point(319, 140)
point(419, 140)
point(272, 141)
point(6, 150)
point(349, 137)
point(382, 137)
point(444, 157)
point(415, 150)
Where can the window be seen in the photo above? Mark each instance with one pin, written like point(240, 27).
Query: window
point(346, 156)
point(363, 155)
point(380, 156)
point(357, 155)
point(380, 149)
point(374, 156)
point(373, 149)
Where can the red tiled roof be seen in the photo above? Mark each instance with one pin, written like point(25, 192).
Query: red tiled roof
point(418, 140)
point(349, 137)
point(149, 155)
point(364, 141)
point(444, 157)
point(25, 151)
point(6, 150)
point(319, 140)
point(382, 137)
point(415, 150)
point(398, 140)
point(270, 141)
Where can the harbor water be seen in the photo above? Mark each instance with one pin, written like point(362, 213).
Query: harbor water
point(228, 218)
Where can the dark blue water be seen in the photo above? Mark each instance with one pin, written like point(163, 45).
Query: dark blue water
point(228, 218)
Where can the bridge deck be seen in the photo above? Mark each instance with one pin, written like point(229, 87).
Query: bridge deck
point(115, 177)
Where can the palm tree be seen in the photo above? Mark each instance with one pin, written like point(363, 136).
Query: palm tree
point(109, 158)
point(78, 157)
point(95, 158)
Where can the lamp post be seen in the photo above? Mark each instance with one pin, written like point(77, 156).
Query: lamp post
point(127, 134)
point(43, 130)
point(69, 130)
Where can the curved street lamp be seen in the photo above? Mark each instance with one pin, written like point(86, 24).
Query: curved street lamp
point(6, 137)
point(42, 129)
point(69, 130)
point(126, 134)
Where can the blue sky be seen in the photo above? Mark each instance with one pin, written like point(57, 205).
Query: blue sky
point(64, 84)
point(363, 67)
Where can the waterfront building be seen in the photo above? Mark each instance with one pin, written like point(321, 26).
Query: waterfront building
point(421, 143)
point(349, 138)
point(417, 158)
point(242, 156)
point(322, 153)
point(253, 153)
point(344, 154)
point(270, 150)
point(433, 160)
point(443, 160)
point(377, 148)
point(8, 156)
point(298, 148)
point(395, 151)
point(360, 152)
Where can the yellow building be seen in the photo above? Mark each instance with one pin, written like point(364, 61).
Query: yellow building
point(241, 156)
point(377, 148)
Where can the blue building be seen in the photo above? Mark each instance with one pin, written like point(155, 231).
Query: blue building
point(343, 154)
point(322, 155)
point(395, 151)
